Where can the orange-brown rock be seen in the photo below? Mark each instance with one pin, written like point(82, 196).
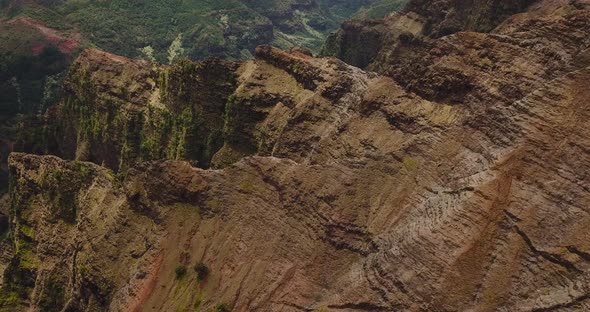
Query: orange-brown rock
point(460, 185)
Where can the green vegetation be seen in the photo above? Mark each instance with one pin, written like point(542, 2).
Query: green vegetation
point(221, 28)
point(180, 271)
point(182, 123)
point(379, 9)
point(125, 26)
point(62, 191)
point(19, 280)
point(228, 105)
point(34, 60)
point(83, 169)
point(410, 163)
point(29, 83)
point(202, 271)
point(32, 66)
point(222, 307)
point(53, 297)
point(8, 299)
point(175, 51)
point(27, 231)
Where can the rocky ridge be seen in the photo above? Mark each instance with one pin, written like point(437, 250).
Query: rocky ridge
point(442, 183)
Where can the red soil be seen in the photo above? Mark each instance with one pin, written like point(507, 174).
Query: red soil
point(146, 287)
point(64, 44)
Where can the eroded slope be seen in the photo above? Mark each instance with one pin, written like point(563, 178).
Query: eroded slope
point(334, 189)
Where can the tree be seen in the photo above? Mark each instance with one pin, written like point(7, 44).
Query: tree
point(147, 53)
point(202, 271)
point(175, 51)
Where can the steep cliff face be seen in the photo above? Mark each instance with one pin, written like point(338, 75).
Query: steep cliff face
point(481, 69)
point(458, 184)
point(421, 18)
point(446, 17)
point(40, 39)
point(56, 234)
point(471, 67)
point(359, 42)
point(117, 111)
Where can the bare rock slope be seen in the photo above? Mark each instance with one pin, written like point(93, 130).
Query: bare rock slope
point(456, 180)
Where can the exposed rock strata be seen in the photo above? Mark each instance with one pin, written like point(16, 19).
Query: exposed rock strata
point(444, 17)
point(116, 111)
point(462, 188)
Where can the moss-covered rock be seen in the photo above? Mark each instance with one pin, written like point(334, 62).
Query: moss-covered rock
point(119, 113)
point(53, 233)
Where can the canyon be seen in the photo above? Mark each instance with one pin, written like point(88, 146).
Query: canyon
point(437, 159)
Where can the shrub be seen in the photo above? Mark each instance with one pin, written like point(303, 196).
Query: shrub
point(202, 271)
point(147, 53)
point(222, 308)
point(410, 163)
point(180, 271)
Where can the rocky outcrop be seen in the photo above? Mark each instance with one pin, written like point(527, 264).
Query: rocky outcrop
point(116, 111)
point(480, 69)
point(472, 67)
point(56, 234)
point(359, 42)
point(463, 186)
point(362, 43)
point(367, 37)
point(462, 197)
point(445, 17)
